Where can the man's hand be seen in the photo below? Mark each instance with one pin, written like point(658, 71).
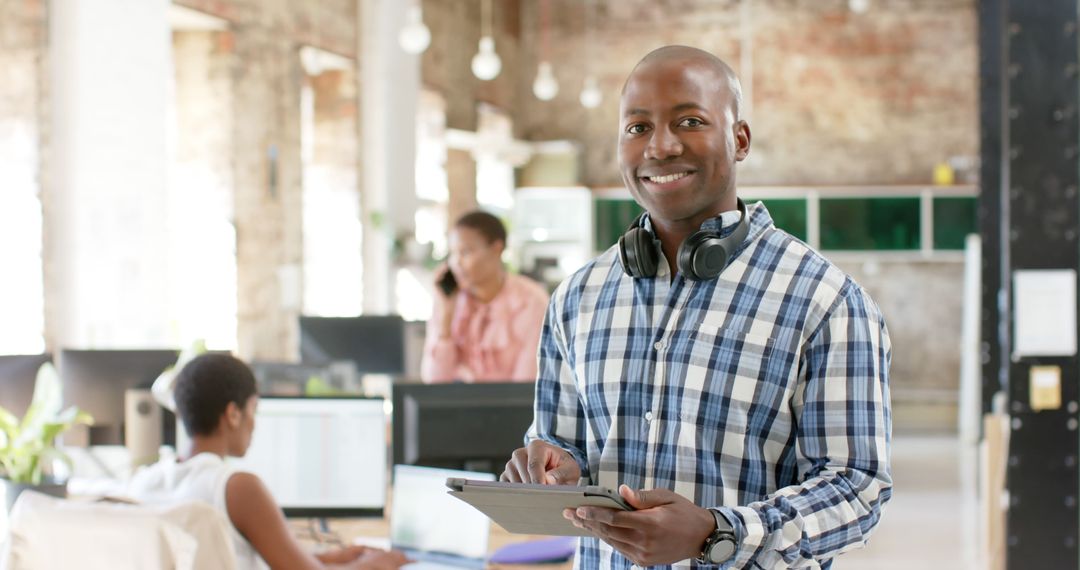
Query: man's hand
point(544, 463)
point(666, 528)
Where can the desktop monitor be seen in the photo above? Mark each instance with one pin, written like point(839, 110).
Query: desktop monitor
point(321, 457)
point(460, 426)
point(376, 344)
point(96, 380)
point(18, 375)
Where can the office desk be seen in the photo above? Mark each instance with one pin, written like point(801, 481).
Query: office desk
point(347, 531)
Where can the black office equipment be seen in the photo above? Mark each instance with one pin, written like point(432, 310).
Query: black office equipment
point(460, 426)
point(18, 375)
point(96, 380)
point(376, 344)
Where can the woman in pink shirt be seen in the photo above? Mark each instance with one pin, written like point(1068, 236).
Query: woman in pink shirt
point(486, 323)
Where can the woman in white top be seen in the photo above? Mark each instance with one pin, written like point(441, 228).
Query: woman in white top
point(216, 400)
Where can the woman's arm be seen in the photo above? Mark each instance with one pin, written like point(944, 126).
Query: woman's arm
point(440, 360)
point(254, 513)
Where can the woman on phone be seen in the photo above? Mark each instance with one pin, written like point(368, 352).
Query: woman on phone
point(486, 323)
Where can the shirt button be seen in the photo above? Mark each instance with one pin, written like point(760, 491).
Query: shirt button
point(659, 345)
point(648, 416)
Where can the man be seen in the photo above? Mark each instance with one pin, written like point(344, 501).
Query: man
point(738, 398)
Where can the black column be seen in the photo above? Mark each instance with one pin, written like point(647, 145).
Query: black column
point(1029, 218)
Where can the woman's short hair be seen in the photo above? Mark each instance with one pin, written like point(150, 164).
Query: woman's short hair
point(206, 385)
point(488, 225)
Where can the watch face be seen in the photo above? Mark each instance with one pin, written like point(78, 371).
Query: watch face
point(722, 550)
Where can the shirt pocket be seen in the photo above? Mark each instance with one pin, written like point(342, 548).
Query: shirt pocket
point(725, 373)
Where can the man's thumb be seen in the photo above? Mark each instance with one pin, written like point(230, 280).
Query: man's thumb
point(642, 499)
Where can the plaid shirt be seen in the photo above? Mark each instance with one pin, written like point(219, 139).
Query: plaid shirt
point(763, 393)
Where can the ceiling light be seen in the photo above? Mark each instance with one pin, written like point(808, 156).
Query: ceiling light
point(545, 87)
point(414, 37)
point(486, 64)
point(590, 94)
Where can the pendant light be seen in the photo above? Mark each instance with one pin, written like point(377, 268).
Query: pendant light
point(590, 97)
point(544, 86)
point(414, 36)
point(486, 64)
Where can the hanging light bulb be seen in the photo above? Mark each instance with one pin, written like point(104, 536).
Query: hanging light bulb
point(544, 86)
point(486, 64)
point(590, 94)
point(414, 36)
point(859, 6)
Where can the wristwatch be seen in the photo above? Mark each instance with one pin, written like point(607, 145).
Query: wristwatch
point(721, 544)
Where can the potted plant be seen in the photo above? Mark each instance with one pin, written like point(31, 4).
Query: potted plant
point(27, 447)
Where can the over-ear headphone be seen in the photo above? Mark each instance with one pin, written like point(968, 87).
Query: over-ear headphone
point(702, 256)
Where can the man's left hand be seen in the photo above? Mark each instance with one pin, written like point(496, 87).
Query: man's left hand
point(665, 528)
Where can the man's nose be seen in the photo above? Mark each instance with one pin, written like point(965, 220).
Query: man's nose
point(663, 144)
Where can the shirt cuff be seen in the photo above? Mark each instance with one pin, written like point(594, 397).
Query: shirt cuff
point(749, 535)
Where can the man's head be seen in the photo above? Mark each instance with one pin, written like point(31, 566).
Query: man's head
point(216, 396)
point(680, 135)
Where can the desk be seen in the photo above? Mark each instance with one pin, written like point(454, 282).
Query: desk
point(347, 531)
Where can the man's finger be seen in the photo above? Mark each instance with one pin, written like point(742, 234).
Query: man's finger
point(539, 453)
point(647, 499)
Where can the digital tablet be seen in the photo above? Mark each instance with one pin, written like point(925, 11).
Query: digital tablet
point(527, 508)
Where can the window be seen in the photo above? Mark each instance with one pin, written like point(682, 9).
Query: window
point(612, 218)
point(954, 219)
point(22, 302)
point(861, 224)
point(790, 215)
point(333, 231)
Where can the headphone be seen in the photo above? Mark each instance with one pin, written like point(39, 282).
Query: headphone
point(701, 257)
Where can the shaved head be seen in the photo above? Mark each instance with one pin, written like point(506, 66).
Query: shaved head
point(692, 55)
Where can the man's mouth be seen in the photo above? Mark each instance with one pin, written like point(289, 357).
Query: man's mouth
point(667, 178)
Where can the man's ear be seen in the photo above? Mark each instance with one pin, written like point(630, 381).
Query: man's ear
point(742, 140)
point(234, 416)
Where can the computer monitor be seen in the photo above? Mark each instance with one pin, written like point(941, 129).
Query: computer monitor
point(18, 376)
point(460, 426)
point(376, 344)
point(96, 380)
point(321, 457)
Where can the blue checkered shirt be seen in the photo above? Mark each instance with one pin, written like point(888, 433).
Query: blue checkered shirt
point(763, 393)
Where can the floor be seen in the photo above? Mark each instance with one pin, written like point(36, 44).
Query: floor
point(930, 522)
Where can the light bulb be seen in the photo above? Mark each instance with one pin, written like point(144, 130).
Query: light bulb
point(590, 95)
point(545, 87)
point(414, 36)
point(486, 64)
point(859, 6)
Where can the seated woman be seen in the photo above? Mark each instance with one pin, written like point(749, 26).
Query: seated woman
point(216, 400)
point(485, 326)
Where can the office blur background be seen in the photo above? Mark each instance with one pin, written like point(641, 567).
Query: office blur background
point(215, 169)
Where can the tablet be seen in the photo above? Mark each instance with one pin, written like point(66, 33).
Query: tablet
point(527, 508)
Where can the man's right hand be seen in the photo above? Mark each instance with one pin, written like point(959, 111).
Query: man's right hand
point(543, 463)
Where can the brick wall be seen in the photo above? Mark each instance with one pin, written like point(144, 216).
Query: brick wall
point(837, 97)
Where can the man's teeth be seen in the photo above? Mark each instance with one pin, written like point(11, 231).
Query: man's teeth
point(667, 178)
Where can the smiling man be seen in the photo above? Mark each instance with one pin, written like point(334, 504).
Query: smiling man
point(729, 380)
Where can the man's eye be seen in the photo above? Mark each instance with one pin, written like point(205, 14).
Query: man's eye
point(692, 122)
point(635, 129)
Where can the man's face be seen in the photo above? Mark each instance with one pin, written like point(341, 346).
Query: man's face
point(679, 140)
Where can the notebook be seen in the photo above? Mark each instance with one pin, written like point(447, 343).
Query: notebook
point(432, 528)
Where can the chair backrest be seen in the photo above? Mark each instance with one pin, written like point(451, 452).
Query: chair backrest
point(47, 533)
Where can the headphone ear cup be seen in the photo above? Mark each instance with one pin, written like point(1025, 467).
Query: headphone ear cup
point(638, 253)
point(702, 256)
